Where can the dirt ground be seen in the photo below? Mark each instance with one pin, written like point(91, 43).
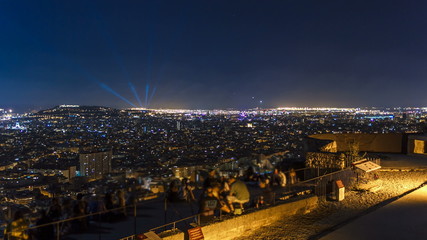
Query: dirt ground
point(330, 214)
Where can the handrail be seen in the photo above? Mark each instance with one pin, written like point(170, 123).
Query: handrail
point(79, 217)
point(177, 221)
point(171, 223)
point(297, 183)
point(134, 205)
point(320, 177)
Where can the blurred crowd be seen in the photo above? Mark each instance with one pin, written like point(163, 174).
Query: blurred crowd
point(78, 212)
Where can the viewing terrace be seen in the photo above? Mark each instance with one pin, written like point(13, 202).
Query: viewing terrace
point(168, 218)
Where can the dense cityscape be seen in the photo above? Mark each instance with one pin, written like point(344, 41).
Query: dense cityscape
point(42, 153)
point(160, 139)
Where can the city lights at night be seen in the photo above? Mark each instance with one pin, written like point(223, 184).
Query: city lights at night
point(221, 120)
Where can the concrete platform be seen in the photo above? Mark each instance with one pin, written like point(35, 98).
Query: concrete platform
point(403, 219)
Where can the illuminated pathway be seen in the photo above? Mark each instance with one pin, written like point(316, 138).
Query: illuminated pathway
point(405, 218)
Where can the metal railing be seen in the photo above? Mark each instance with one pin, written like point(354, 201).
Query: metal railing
point(316, 181)
point(57, 225)
point(196, 219)
point(174, 223)
point(318, 185)
point(322, 185)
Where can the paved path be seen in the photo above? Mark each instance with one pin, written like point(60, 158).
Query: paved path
point(403, 219)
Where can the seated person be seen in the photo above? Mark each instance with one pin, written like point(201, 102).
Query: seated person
point(239, 193)
point(208, 204)
point(267, 195)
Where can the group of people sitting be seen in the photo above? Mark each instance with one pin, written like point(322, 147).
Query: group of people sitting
point(230, 195)
point(227, 194)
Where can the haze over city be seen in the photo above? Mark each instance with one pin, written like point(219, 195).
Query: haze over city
point(215, 54)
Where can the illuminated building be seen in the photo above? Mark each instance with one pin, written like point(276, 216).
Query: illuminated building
point(95, 165)
point(69, 172)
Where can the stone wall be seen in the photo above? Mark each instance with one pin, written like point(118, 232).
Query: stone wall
point(247, 223)
point(324, 160)
point(368, 142)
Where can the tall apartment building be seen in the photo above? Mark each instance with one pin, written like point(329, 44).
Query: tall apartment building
point(95, 165)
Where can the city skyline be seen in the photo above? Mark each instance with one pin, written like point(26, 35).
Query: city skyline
point(192, 54)
point(28, 109)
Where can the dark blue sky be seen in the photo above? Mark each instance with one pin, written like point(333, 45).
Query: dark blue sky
point(213, 54)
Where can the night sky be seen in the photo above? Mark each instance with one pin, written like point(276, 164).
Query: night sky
point(213, 54)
